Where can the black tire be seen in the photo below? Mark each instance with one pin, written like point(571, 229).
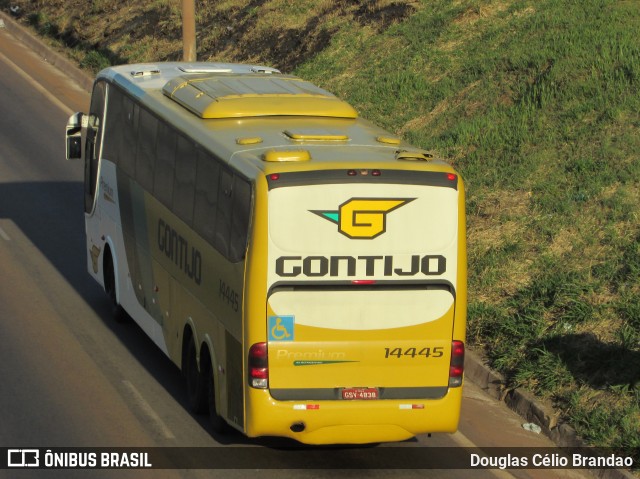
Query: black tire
point(195, 381)
point(218, 424)
point(110, 288)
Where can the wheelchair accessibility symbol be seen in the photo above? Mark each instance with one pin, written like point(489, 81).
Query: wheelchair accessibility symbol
point(281, 328)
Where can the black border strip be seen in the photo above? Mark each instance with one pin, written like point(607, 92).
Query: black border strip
point(379, 285)
point(336, 177)
point(334, 394)
point(277, 453)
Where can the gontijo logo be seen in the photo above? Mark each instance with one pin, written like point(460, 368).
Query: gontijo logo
point(363, 218)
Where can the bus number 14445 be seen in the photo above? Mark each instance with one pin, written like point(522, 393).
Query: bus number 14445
point(436, 352)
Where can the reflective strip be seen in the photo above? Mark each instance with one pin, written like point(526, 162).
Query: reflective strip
point(411, 406)
point(305, 407)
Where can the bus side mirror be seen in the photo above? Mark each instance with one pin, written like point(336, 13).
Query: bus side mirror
point(74, 135)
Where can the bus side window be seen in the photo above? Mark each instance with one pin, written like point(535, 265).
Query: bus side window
point(93, 143)
point(206, 207)
point(113, 126)
point(184, 185)
point(223, 216)
point(145, 156)
point(240, 218)
point(165, 164)
point(127, 156)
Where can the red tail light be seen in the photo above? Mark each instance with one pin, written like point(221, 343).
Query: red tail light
point(456, 368)
point(259, 366)
point(363, 282)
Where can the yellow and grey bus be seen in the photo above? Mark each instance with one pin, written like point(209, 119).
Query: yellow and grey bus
point(305, 269)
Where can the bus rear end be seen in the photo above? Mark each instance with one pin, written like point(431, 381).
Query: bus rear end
point(362, 335)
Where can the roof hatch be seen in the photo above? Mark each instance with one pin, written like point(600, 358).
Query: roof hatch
point(315, 135)
point(413, 155)
point(286, 155)
point(248, 95)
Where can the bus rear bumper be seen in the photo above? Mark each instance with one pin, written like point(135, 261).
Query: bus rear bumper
point(351, 422)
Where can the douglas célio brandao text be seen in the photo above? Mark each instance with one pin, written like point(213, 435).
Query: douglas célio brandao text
point(549, 460)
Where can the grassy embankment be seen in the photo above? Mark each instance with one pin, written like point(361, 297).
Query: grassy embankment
point(535, 102)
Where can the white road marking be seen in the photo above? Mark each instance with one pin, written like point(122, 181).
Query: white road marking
point(148, 410)
point(3, 234)
point(36, 85)
point(464, 441)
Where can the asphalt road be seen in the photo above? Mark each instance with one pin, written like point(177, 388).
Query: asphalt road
point(70, 376)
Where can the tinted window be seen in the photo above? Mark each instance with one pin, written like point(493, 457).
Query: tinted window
point(146, 149)
point(240, 218)
point(92, 144)
point(184, 184)
point(113, 126)
point(206, 207)
point(165, 162)
point(129, 126)
point(223, 216)
point(189, 181)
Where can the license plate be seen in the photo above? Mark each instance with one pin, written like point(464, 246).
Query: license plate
point(360, 393)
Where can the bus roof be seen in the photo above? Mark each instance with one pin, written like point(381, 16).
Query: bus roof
point(257, 118)
point(229, 95)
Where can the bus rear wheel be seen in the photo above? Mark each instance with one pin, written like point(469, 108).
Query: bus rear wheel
point(195, 381)
point(110, 288)
point(218, 424)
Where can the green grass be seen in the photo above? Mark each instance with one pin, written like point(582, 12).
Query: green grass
point(536, 103)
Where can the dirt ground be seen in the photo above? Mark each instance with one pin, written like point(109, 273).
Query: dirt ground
point(280, 33)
